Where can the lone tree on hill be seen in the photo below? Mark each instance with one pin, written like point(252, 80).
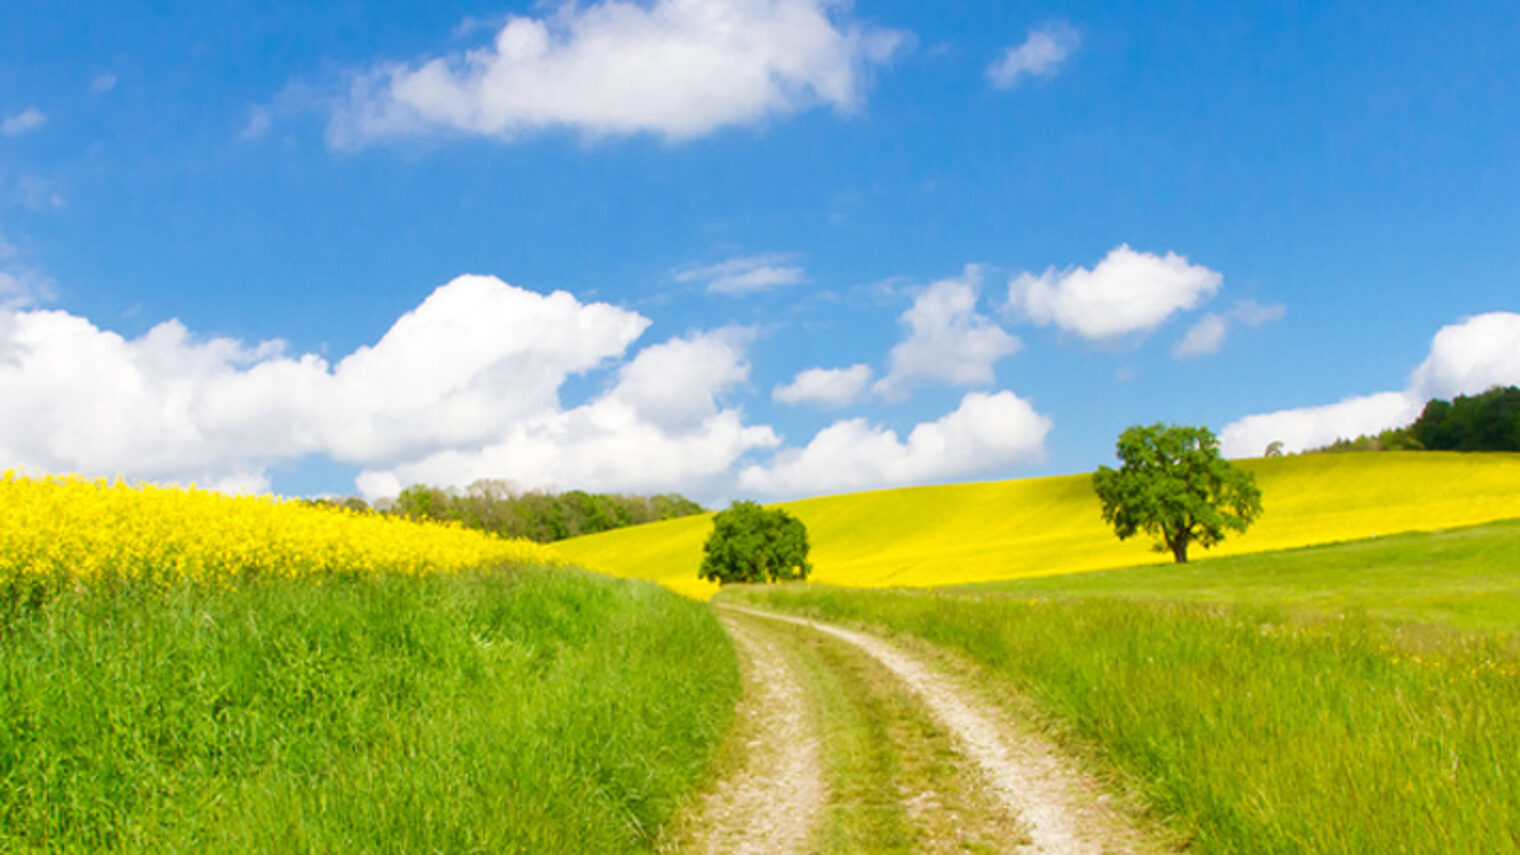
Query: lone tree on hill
point(751, 544)
point(1174, 484)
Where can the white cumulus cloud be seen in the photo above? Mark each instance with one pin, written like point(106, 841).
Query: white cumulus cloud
point(476, 354)
point(672, 68)
point(29, 119)
point(1465, 358)
point(1127, 292)
point(676, 384)
point(985, 433)
point(1039, 55)
point(462, 387)
point(1470, 357)
point(1208, 334)
point(738, 277)
point(948, 340)
point(659, 428)
point(825, 387)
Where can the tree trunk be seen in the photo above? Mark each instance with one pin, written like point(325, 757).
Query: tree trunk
point(1179, 550)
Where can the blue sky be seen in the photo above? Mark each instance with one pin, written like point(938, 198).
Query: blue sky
point(231, 236)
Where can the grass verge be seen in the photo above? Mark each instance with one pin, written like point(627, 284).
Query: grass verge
point(1254, 731)
point(517, 710)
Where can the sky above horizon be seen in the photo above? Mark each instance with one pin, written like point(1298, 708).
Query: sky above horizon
point(739, 248)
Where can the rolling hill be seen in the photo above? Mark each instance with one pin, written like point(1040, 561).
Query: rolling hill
point(962, 533)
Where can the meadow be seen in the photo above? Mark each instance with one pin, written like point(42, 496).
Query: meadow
point(1464, 578)
point(967, 533)
point(1361, 697)
point(184, 672)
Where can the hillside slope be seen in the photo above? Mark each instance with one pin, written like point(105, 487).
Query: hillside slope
point(961, 533)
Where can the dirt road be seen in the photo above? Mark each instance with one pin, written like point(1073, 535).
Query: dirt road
point(849, 743)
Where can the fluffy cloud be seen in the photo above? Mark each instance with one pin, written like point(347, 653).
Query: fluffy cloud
point(675, 385)
point(672, 68)
point(99, 404)
point(1208, 335)
point(659, 428)
point(475, 355)
point(948, 340)
point(1040, 55)
point(825, 387)
point(464, 386)
point(100, 84)
point(603, 445)
point(1470, 357)
point(1311, 427)
point(1127, 292)
point(985, 433)
point(29, 119)
point(1465, 358)
point(737, 277)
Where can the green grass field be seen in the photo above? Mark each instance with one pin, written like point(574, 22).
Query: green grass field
point(1467, 578)
point(1356, 698)
point(509, 711)
point(966, 533)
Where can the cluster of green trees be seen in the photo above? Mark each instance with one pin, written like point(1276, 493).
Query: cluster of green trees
point(495, 506)
point(1485, 422)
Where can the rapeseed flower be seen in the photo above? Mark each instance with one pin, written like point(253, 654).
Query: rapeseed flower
point(70, 531)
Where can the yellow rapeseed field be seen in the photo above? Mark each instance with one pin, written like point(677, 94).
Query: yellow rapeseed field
point(72, 531)
point(959, 533)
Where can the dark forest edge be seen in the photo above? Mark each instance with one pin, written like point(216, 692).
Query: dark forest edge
point(498, 508)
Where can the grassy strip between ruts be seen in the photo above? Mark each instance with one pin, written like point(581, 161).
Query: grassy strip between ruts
point(1252, 731)
point(515, 710)
point(897, 783)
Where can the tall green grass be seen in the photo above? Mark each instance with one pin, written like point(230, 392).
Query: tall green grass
point(509, 711)
point(1253, 730)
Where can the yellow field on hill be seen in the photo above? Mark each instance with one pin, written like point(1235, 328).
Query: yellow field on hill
point(946, 535)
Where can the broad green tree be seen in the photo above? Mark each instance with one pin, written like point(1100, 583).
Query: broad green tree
point(1175, 486)
point(752, 544)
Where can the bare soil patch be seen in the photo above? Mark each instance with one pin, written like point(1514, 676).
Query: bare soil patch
point(771, 803)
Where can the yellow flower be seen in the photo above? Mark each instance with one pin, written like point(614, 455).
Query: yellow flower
point(66, 530)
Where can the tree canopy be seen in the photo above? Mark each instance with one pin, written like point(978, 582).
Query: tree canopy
point(1173, 484)
point(753, 544)
point(1486, 422)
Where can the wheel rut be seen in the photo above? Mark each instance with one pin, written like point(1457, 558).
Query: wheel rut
point(772, 801)
point(1043, 802)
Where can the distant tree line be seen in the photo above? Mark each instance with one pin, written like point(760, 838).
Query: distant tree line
point(495, 506)
point(1486, 422)
point(1392, 439)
